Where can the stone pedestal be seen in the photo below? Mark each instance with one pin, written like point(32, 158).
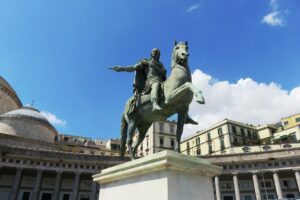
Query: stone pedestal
point(166, 175)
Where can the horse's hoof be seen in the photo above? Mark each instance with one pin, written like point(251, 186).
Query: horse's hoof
point(190, 121)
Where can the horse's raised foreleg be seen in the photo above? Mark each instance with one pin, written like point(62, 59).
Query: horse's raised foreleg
point(142, 133)
point(188, 86)
point(130, 131)
point(180, 123)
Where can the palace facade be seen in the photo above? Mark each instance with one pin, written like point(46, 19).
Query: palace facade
point(38, 163)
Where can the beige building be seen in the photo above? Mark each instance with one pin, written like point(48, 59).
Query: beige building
point(37, 163)
point(259, 162)
point(291, 121)
point(219, 138)
point(160, 136)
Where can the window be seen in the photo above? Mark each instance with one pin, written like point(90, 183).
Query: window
point(220, 132)
point(233, 129)
point(172, 143)
point(255, 135)
point(270, 196)
point(235, 141)
point(161, 141)
point(66, 196)
point(198, 151)
point(290, 196)
point(197, 141)
point(188, 145)
point(242, 132)
point(46, 196)
point(227, 197)
point(84, 197)
point(208, 136)
point(297, 119)
point(245, 185)
point(172, 128)
point(247, 197)
point(222, 144)
point(287, 184)
point(161, 127)
point(226, 186)
point(284, 138)
point(210, 151)
point(268, 184)
point(285, 123)
point(26, 196)
point(249, 133)
point(293, 137)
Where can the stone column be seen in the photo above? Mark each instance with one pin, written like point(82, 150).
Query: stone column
point(15, 189)
point(297, 176)
point(277, 185)
point(57, 185)
point(94, 190)
point(217, 187)
point(37, 186)
point(76, 186)
point(256, 186)
point(236, 187)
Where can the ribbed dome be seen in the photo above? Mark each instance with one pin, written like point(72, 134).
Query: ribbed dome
point(27, 122)
point(8, 97)
point(27, 113)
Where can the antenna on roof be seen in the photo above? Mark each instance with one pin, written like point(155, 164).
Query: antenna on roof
point(32, 102)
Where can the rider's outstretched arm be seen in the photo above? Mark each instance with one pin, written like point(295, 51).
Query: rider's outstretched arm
point(132, 68)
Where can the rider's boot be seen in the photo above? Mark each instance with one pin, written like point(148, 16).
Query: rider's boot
point(155, 106)
point(155, 96)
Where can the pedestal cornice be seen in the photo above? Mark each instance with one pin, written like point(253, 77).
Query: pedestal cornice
point(160, 161)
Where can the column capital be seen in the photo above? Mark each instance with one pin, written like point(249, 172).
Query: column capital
point(78, 173)
point(255, 172)
point(275, 171)
point(296, 169)
point(59, 171)
point(20, 169)
point(235, 173)
point(39, 170)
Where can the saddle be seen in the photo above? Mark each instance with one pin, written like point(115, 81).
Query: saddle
point(143, 98)
point(137, 101)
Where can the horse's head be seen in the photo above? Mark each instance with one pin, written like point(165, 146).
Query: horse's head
point(180, 53)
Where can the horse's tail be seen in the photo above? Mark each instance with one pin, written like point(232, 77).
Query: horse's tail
point(123, 139)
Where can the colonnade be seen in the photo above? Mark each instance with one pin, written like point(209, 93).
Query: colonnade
point(57, 185)
point(255, 184)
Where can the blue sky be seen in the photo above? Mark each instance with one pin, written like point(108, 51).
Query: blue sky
point(57, 52)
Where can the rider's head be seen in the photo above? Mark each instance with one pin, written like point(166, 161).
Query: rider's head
point(155, 53)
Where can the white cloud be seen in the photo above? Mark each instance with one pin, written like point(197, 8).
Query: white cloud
point(245, 101)
point(276, 17)
point(192, 8)
point(53, 119)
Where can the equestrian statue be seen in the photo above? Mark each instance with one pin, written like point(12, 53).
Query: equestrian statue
point(156, 97)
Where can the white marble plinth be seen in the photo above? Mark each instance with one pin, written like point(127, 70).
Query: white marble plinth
point(166, 175)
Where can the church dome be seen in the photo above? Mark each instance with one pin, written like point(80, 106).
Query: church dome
point(27, 122)
point(9, 99)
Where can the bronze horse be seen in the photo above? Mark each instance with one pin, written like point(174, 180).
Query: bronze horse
point(178, 92)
